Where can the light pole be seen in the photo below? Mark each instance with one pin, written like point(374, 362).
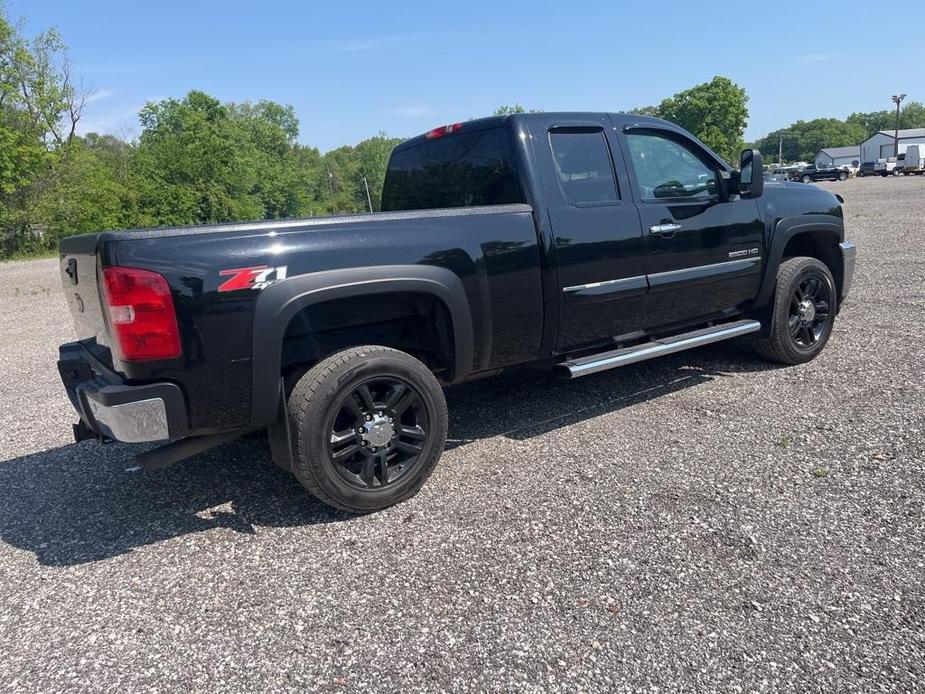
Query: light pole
point(897, 99)
point(331, 183)
point(368, 198)
point(780, 146)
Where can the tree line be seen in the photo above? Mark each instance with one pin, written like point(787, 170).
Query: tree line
point(801, 141)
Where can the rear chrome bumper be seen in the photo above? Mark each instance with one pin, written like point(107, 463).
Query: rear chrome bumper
point(132, 422)
point(849, 253)
point(111, 409)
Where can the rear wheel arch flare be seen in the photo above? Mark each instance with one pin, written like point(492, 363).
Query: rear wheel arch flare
point(279, 303)
point(415, 322)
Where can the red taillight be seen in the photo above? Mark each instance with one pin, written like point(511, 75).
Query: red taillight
point(141, 313)
point(442, 130)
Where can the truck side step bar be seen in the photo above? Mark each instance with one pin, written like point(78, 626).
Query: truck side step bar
point(658, 348)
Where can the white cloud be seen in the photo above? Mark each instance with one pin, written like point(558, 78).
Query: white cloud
point(98, 95)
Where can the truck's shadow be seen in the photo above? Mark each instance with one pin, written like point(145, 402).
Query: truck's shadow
point(80, 503)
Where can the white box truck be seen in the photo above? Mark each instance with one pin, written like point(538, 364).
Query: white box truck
point(914, 163)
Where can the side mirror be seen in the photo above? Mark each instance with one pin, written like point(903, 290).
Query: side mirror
point(751, 174)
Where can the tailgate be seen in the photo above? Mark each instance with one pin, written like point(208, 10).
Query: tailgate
point(78, 265)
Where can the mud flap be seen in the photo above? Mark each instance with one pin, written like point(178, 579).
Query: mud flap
point(279, 435)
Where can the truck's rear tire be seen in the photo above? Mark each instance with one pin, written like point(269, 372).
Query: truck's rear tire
point(368, 427)
point(805, 303)
point(807, 179)
point(843, 176)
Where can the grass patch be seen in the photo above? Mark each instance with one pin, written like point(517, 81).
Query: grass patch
point(23, 255)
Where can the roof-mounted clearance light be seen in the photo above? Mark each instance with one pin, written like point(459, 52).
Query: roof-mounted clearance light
point(443, 130)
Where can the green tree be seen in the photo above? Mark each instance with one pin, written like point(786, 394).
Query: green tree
point(272, 130)
point(645, 111)
point(372, 160)
point(40, 107)
point(506, 110)
point(912, 115)
point(196, 163)
point(803, 139)
point(85, 194)
point(716, 112)
point(341, 169)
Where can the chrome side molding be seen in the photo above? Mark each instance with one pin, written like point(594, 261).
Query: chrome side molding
point(622, 283)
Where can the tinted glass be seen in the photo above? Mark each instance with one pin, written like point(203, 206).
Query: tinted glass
point(667, 169)
point(459, 170)
point(583, 166)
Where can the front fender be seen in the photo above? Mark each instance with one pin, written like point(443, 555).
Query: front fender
point(786, 229)
point(279, 303)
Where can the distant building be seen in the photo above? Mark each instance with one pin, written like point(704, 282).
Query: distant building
point(838, 156)
point(882, 145)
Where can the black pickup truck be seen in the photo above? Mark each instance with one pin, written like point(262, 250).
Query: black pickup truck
point(570, 241)
point(812, 173)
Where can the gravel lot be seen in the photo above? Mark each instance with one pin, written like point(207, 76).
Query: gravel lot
point(700, 523)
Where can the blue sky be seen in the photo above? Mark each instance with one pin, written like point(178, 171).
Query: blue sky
point(351, 69)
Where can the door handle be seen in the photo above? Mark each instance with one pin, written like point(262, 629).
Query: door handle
point(664, 229)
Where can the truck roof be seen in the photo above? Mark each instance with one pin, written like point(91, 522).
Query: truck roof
point(619, 120)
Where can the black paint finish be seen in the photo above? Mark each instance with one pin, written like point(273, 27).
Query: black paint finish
point(535, 281)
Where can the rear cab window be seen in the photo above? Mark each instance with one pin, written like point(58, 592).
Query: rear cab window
point(583, 165)
point(460, 169)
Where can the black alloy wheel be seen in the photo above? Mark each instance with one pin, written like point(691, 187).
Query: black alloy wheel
point(368, 427)
point(810, 317)
point(377, 432)
point(804, 309)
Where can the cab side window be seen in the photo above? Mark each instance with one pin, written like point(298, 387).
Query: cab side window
point(583, 165)
point(666, 168)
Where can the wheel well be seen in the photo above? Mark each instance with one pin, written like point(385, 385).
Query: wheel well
point(820, 246)
point(412, 322)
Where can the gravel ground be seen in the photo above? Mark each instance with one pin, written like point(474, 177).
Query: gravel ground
point(700, 523)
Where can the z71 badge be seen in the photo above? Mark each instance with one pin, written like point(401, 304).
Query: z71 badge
point(257, 277)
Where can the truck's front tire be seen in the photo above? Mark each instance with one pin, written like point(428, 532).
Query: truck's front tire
point(805, 303)
point(368, 427)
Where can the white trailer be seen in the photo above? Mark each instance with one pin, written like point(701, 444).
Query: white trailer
point(914, 163)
